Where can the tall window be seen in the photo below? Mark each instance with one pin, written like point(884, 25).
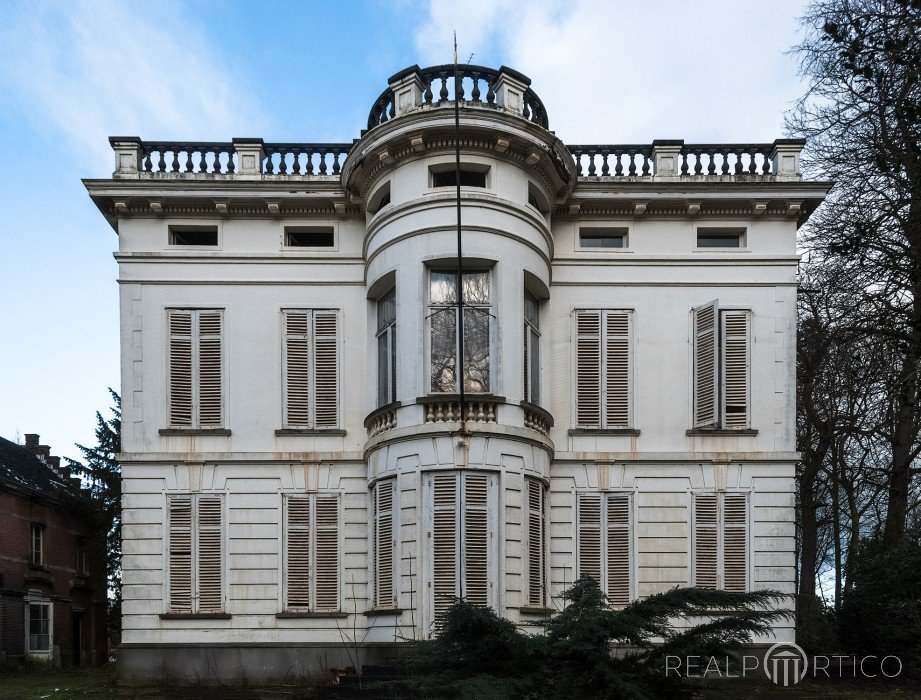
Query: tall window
point(311, 368)
point(39, 626)
point(534, 514)
point(195, 557)
point(195, 368)
point(722, 358)
point(385, 538)
point(605, 546)
point(82, 555)
point(721, 541)
point(531, 348)
point(387, 348)
point(604, 368)
point(38, 544)
point(312, 552)
point(444, 334)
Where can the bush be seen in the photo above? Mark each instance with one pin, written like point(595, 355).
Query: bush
point(816, 626)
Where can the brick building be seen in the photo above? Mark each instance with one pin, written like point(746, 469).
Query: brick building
point(52, 587)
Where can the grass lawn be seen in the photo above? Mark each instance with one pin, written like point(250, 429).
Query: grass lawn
point(56, 684)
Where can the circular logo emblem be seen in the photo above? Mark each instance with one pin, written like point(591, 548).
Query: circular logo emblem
point(785, 664)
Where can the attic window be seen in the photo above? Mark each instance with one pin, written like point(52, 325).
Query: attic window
point(310, 237)
point(468, 178)
point(720, 237)
point(193, 236)
point(603, 237)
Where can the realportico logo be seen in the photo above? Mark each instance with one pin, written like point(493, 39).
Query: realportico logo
point(785, 664)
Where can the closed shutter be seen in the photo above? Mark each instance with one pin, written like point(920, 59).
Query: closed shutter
point(209, 369)
point(705, 365)
point(180, 554)
point(384, 544)
point(618, 375)
point(706, 551)
point(535, 544)
point(476, 539)
point(618, 548)
point(326, 369)
point(735, 359)
point(735, 539)
point(327, 552)
point(445, 543)
point(210, 557)
point(589, 536)
point(588, 369)
point(180, 368)
point(297, 567)
point(297, 368)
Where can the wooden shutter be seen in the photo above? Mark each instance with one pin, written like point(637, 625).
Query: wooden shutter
point(617, 370)
point(180, 368)
point(476, 539)
point(297, 556)
point(445, 541)
point(384, 544)
point(589, 535)
point(326, 369)
point(297, 368)
point(617, 550)
point(209, 369)
point(180, 553)
point(535, 548)
point(735, 542)
point(706, 552)
point(327, 553)
point(588, 369)
point(210, 557)
point(735, 369)
point(705, 365)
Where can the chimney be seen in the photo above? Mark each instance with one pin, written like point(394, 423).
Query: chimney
point(31, 441)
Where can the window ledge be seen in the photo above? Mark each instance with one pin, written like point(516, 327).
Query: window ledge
point(375, 612)
point(293, 615)
point(604, 431)
point(721, 432)
point(535, 610)
point(332, 432)
point(195, 616)
point(444, 398)
point(221, 432)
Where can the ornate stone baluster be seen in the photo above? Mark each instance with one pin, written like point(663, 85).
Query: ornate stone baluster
point(605, 167)
point(230, 162)
point(269, 162)
point(631, 170)
point(618, 164)
point(684, 155)
point(724, 168)
point(336, 167)
point(490, 93)
point(475, 95)
point(427, 95)
point(282, 161)
point(646, 161)
point(443, 93)
point(308, 165)
point(738, 165)
point(322, 161)
point(591, 162)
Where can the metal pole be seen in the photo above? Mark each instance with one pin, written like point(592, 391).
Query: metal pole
point(460, 259)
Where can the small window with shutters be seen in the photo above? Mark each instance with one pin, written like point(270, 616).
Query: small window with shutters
point(384, 533)
point(720, 542)
point(311, 368)
point(195, 393)
point(604, 523)
point(535, 546)
point(721, 367)
point(311, 552)
point(604, 369)
point(195, 553)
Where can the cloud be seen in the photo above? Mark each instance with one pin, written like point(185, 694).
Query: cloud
point(87, 69)
point(614, 72)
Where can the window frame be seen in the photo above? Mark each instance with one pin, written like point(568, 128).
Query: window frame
point(195, 358)
point(603, 422)
point(216, 228)
point(289, 229)
point(82, 555)
point(386, 392)
point(740, 232)
point(532, 600)
point(532, 337)
point(720, 535)
point(313, 498)
point(450, 168)
point(395, 539)
point(195, 553)
point(611, 231)
point(311, 424)
point(37, 544)
point(633, 558)
point(38, 602)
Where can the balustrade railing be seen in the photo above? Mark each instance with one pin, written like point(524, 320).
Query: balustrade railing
point(380, 420)
point(613, 160)
point(537, 419)
point(304, 158)
point(478, 410)
point(637, 160)
point(187, 157)
point(726, 159)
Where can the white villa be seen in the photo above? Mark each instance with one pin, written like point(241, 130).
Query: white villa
point(298, 480)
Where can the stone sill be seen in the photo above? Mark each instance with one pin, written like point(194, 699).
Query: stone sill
point(195, 616)
point(535, 610)
point(720, 432)
point(376, 612)
point(294, 432)
point(219, 432)
point(604, 431)
point(293, 615)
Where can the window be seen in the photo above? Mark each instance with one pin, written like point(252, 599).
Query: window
point(37, 548)
point(193, 235)
point(604, 369)
point(312, 552)
point(720, 237)
point(380, 198)
point(722, 394)
point(195, 375)
point(39, 627)
point(602, 237)
point(311, 368)
point(82, 555)
point(387, 348)
point(534, 514)
point(605, 543)
point(444, 333)
point(195, 553)
point(310, 237)
point(385, 542)
point(531, 348)
point(469, 177)
point(721, 541)
point(460, 513)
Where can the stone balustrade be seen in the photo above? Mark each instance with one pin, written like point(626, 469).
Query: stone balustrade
point(536, 418)
point(477, 409)
point(384, 418)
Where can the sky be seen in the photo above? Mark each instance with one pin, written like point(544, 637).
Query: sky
point(74, 72)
